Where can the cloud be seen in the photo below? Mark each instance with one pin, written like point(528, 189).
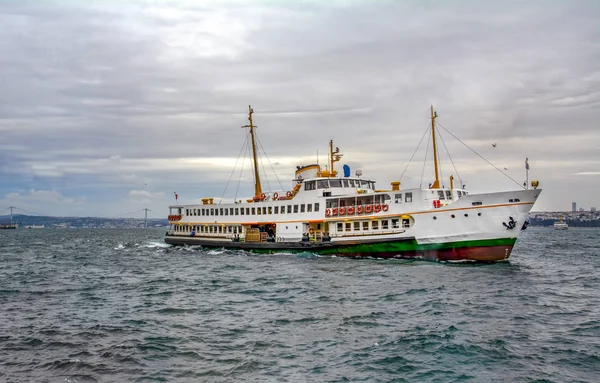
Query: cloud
point(102, 98)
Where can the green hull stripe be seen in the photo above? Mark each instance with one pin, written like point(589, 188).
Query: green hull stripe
point(397, 247)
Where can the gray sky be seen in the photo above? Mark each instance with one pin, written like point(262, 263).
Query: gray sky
point(109, 107)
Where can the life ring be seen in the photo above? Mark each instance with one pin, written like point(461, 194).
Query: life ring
point(327, 212)
point(385, 207)
point(334, 211)
point(276, 195)
point(350, 210)
point(359, 209)
point(263, 196)
point(377, 208)
point(342, 211)
point(368, 209)
point(289, 194)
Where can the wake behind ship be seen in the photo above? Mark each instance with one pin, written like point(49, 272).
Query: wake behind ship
point(347, 216)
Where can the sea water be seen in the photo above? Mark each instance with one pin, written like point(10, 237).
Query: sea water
point(94, 305)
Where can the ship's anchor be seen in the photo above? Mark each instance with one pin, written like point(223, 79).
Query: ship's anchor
point(511, 224)
point(525, 224)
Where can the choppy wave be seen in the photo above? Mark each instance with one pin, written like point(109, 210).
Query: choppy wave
point(110, 305)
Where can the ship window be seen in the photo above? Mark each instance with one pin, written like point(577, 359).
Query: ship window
point(247, 211)
point(187, 211)
point(323, 184)
point(348, 226)
point(340, 226)
point(310, 185)
point(212, 211)
point(276, 209)
point(448, 194)
point(230, 211)
point(335, 183)
point(302, 208)
point(295, 208)
point(356, 226)
point(398, 198)
point(386, 198)
point(253, 211)
point(309, 207)
point(476, 203)
point(316, 207)
point(220, 229)
point(441, 194)
point(345, 183)
point(408, 197)
point(395, 223)
point(372, 185)
point(351, 183)
point(264, 209)
point(270, 210)
point(384, 224)
point(237, 211)
point(289, 209)
point(226, 211)
point(258, 211)
point(221, 211)
point(365, 225)
point(242, 211)
point(375, 225)
point(406, 223)
point(459, 194)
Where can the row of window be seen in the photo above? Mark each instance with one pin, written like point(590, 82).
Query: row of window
point(338, 183)
point(209, 229)
point(359, 201)
point(383, 224)
point(407, 197)
point(261, 210)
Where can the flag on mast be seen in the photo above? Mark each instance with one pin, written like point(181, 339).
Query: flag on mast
point(176, 196)
point(526, 163)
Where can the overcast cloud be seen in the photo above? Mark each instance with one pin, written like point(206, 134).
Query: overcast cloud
point(109, 107)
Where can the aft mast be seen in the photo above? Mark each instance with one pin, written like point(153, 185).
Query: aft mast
point(436, 184)
point(257, 187)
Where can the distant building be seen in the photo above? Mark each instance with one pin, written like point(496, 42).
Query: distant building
point(593, 209)
point(574, 206)
point(581, 209)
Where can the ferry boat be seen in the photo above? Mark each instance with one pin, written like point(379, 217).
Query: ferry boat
point(560, 224)
point(327, 214)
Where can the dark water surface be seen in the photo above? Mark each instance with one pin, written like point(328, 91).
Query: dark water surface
point(118, 305)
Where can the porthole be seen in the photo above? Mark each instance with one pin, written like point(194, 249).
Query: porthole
point(453, 216)
point(434, 217)
point(479, 214)
point(466, 215)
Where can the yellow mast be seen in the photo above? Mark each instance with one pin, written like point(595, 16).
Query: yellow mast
point(436, 184)
point(334, 157)
point(257, 187)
